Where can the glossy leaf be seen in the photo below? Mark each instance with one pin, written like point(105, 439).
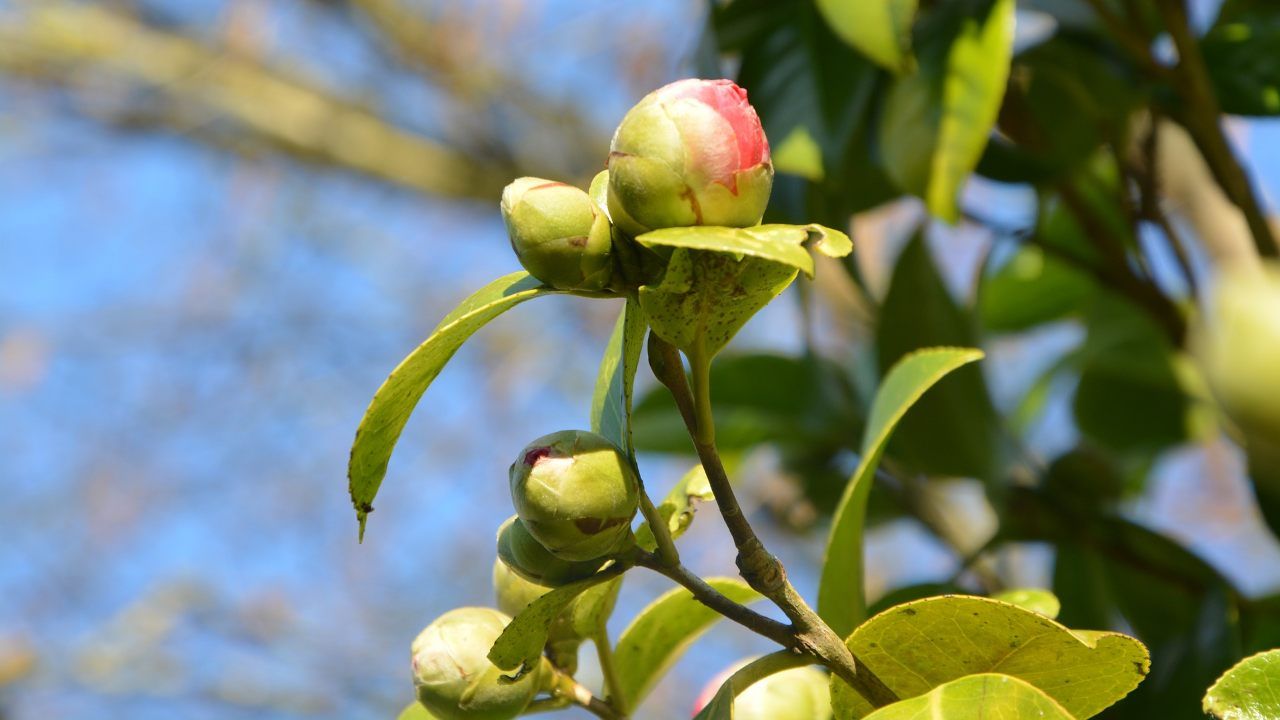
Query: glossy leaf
point(977, 697)
point(1248, 691)
point(936, 121)
point(1033, 599)
point(787, 244)
point(391, 406)
point(879, 29)
point(520, 645)
point(611, 402)
point(679, 506)
point(661, 633)
point(705, 297)
point(841, 593)
point(921, 645)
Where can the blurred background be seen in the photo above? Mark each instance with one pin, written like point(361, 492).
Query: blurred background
point(223, 222)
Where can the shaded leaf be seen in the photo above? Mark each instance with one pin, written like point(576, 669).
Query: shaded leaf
point(879, 29)
point(977, 697)
point(1248, 691)
point(661, 633)
point(1240, 54)
point(520, 645)
point(841, 594)
point(611, 401)
point(954, 431)
point(391, 406)
point(918, 646)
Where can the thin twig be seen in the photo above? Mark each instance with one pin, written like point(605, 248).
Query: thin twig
point(612, 687)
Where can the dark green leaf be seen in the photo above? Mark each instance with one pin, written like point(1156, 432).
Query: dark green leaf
point(389, 411)
point(954, 430)
point(1240, 53)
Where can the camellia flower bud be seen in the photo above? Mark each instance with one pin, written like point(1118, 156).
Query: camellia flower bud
point(1238, 345)
point(576, 494)
point(798, 694)
point(689, 153)
point(559, 234)
point(526, 557)
point(453, 675)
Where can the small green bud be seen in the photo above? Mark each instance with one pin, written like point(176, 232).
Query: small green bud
point(1238, 344)
point(527, 558)
point(576, 494)
point(690, 153)
point(798, 694)
point(453, 675)
point(560, 236)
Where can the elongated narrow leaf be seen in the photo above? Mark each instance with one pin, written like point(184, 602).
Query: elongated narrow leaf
point(1248, 691)
point(841, 595)
point(392, 404)
point(936, 121)
point(918, 646)
point(661, 633)
point(879, 29)
point(611, 403)
point(679, 506)
point(787, 244)
point(977, 697)
point(520, 644)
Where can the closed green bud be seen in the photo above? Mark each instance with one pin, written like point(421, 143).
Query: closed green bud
point(526, 557)
point(689, 153)
point(1238, 345)
point(576, 494)
point(798, 694)
point(453, 675)
point(560, 236)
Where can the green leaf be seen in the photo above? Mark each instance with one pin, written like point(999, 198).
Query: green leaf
point(1248, 691)
point(611, 402)
point(841, 594)
point(955, 430)
point(808, 402)
point(415, 711)
point(1033, 599)
point(1030, 289)
point(936, 122)
point(787, 244)
point(661, 633)
point(679, 506)
point(390, 408)
point(879, 29)
point(921, 645)
point(520, 645)
point(977, 697)
point(705, 297)
point(1240, 53)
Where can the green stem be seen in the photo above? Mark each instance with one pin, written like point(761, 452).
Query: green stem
point(658, 525)
point(612, 686)
point(565, 687)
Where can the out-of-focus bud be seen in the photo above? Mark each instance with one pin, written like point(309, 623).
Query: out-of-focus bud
point(453, 675)
point(689, 153)
point(560, 236)
point(797, 694)
point(576, 494)
point(1238, 344)
point(527, 558)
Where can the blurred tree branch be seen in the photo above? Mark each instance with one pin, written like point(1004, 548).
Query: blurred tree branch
point(212, 94)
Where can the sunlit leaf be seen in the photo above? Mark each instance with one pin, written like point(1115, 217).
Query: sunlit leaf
point(921, 645)
point(977, 697)
point(611, 402)
point(679, 506)
point(1248, 691)
point(391, 406)
point(841, 594)
point(661, 633)
point(1033, 599)
point(787, 244)
point(415, 711)
point(879, 29)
